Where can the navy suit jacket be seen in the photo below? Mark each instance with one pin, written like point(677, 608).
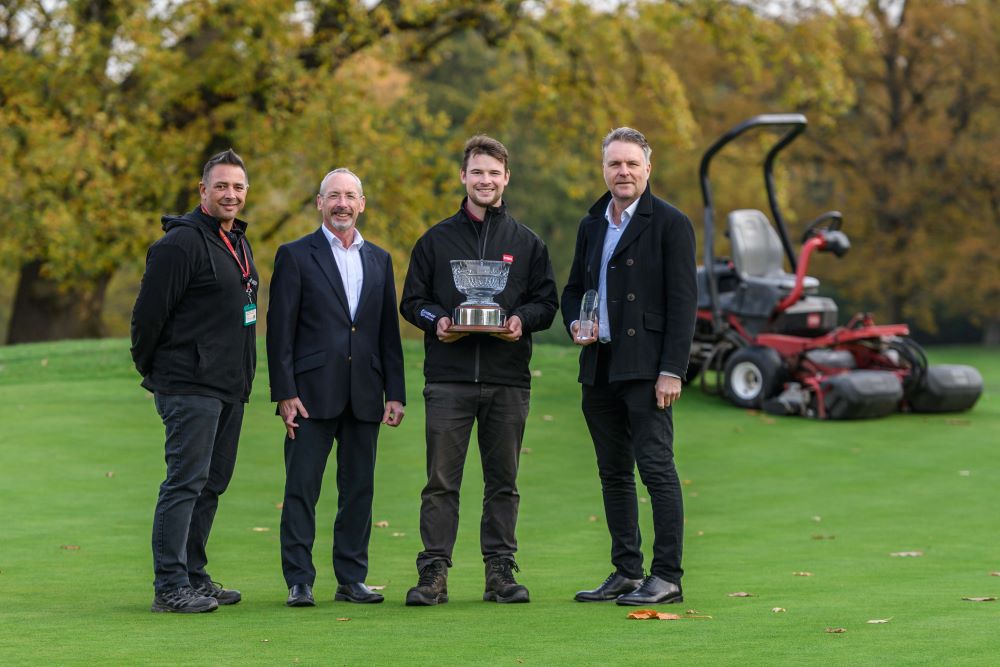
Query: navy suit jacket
point(314, 349)
point(652, 294)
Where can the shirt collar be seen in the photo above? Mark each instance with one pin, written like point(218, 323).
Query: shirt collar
point(626, 214)
point(333, 240)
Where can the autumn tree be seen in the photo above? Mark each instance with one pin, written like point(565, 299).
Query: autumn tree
point(109, 106)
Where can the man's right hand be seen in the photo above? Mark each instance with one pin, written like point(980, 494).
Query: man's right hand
point(442, 333)
point(574, 329)
point(289, 409)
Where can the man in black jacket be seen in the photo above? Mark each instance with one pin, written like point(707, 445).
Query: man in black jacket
point(476, 377)
point(637, 251)
point(193, 342)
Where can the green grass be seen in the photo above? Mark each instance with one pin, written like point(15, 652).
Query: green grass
point(81, 458)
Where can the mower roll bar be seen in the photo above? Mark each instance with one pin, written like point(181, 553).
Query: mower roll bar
point(796, 124)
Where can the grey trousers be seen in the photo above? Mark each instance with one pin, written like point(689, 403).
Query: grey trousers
point(501, 412)
point(202, 435)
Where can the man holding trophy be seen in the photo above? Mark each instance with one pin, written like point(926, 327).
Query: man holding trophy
point(479, 283)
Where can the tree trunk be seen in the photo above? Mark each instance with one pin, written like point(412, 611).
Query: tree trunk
point(991, 333)
point(44, 311)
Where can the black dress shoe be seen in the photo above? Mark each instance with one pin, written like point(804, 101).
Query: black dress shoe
point(357, 593)
point(300, 595)
point(614, 586)
point(653, 591)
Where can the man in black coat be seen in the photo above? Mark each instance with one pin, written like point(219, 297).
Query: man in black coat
point(637, 251)
point(336, 366)
point(193, 342)
point(476, 378)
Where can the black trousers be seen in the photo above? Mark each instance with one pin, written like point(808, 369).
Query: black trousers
point(202, 435)
point(501, 412)
point(629, 431)
point(305, 463)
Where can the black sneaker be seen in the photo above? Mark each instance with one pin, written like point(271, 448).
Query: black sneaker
point(431, 588)
point(500, 583)
point(183, 600)
point(210, 589)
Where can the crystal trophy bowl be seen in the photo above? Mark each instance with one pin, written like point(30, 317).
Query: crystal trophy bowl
point(479, 280)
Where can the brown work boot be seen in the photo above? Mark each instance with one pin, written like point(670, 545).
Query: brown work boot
point(500, 583)
point(431, 588)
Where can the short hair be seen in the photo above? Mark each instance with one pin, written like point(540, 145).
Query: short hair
point(341, 170)
point(628, 135)
point(227, 156)
point(483, 145)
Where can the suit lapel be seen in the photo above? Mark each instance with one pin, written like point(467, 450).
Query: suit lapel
point(598, 230)
point(323, 254)
point(635, 227)
point(368, 270)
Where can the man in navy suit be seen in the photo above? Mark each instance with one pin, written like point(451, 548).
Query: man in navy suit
point(637, 251)
point(336, 365)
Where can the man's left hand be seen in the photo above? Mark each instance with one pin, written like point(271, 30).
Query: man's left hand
point(514, 329)
point(393, 414)
point(668, 390)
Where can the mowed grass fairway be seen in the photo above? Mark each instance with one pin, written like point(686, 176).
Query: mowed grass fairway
point(81, 457)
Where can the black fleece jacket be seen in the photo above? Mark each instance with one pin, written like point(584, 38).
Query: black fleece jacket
point(188, 333)
point(429, 294)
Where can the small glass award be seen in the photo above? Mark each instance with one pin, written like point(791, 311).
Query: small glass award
point(589, 305)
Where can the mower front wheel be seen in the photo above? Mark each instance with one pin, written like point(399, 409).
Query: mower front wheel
point(752, 375)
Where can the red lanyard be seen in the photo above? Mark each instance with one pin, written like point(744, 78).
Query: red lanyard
point(245, 272)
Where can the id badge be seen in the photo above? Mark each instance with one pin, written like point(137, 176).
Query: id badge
point(249, 314)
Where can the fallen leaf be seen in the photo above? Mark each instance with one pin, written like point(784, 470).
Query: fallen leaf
point(824, 537)
point(879, 621)
point(547, 418)
point(691, 612)
point(381, 524)
point(377, 588)
point(957, 422)
point(343, 618)
point(526, 450)
point(70, 547)
point(767, 420)
point(802, 574)
point(110, 473)
point(643, 500)
point(988, 599)
point(701, 533)
point(592, 518)
point(45, 362)
point(741, 594)
point(279, 506)
point(686, 482)
point(399, 534)
point(995, 574)
point(264, 641)
point(964, 473)
point(907, 554)
point(835, 631)
point(778, 610)
point(260, 529)
point(536, 373)
point(817, 519)
point(652, 614)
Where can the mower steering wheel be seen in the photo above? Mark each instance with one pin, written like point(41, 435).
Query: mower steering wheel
point(831, 220)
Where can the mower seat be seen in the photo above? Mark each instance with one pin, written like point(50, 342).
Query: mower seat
point(758, 255)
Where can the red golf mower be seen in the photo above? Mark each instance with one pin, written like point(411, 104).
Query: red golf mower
point(765, 339)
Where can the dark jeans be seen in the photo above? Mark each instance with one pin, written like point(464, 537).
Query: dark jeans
point(305, 463)
point(451, 409)
point(629, 431)
point(202, 435)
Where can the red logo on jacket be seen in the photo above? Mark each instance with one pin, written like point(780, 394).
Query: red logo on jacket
point(508, 258)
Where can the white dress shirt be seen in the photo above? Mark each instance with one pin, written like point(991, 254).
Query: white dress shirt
point(349, 264)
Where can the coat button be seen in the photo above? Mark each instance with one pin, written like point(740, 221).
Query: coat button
point(629, 262)
point(354, 329)
point(349, 359)
point(630, 297)
point(631, 332)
